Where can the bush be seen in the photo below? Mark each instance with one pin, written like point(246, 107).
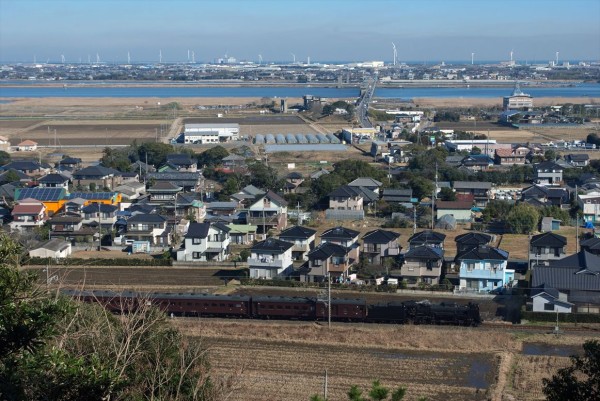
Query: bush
point(98, 262)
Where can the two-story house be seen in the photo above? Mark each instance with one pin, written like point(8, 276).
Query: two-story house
point(484, 269)
point(542, 195)
point(271, 258)
point(268, 212)
point(578, 160)
point(303, 239)
point(480, 191)
point(32, 168)
point(100, 213)
point(590, 206)
point(368, 183)
point(545, 247)
point(54, 180)
point(69, 163)
point(379, 245)
point(189, 181)
point(427, 238)
point(422, 264)
point(345, 237)
point(27, 215)
point(510, 157)
point(329, 260)
point(472, 240)
point(99, 177)
point(480, 162)
point(164, 192)
point(548, 173)
point(182, 162)
point(346, 198)
point(205, 242)
point(292, 182)
point(592, 245)
point(149, 227)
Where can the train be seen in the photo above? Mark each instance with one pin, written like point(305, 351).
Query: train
point(280, 307)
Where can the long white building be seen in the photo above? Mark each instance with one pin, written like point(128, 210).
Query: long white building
point(211, 133)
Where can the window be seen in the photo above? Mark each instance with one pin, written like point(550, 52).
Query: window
point(196, 241)
point(549, 306)
point(470, 266)
point(195, 255)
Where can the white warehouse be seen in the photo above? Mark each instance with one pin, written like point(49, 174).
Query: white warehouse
point(211, 133)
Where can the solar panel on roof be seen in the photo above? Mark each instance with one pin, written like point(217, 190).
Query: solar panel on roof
point(92, 195)
point(41, 194)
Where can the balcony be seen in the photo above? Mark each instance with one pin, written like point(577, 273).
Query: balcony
point(339, 268)
point(266, 262)
point(494, 274)
point(259, 220)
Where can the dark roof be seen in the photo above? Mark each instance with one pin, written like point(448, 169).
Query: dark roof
point(326, 250)
point(65, 219)
point(297, 232)
point(547, 165)
point(70, 160)
point(93, 195)
point(53, 179)
point(365, 182)
point(40, 194)
point(22, 165)
point(484, 252)
point(94, 207)
point(472, 185)
point(146, 218)
point(427, 236)
point(440, 204)
point(54, 244)
point(380, 237)
point(180, 159)
point(578, 272)
point(175, 176)
point(272, 245)
point(590, 243)
point(20, 174)
point(424, 252)
point(579, 157)
point(276, 198)
point(580, 260)
point(165, 186)
point(197, 230)
point(397, 192)
point(95, 171)
point(473, 239)
point(294, 175)
point(340, 233)
point(548, 239)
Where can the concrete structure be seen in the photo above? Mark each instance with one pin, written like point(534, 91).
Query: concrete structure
point(211, 133)
point(517, 100)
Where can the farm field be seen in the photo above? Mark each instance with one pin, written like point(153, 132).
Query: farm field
point(287, 360)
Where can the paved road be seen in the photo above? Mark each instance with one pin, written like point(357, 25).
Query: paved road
point(363, 105)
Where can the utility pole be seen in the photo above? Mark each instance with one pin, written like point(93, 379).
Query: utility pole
point(325, 386)
point(414, 219)
point(328, 300)
point(576, 225)
point(433, 209)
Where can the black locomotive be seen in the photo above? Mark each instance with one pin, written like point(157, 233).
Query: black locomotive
point(298, 308)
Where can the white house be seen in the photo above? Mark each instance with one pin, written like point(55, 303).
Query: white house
point(270, 259)
point(550, 300)
point(211, 133)
point(28, 214)
point(52, 248)
point(590, 206)
point(27, 146)
point(205, 242)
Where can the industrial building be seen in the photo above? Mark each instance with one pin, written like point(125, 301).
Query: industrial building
point(211, 133)
point(518, 100)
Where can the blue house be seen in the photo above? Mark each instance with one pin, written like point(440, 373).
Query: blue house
point(483, 269)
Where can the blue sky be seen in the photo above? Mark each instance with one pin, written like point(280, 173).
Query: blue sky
point(424, 30)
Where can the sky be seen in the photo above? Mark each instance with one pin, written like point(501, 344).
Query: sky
point(324, 30)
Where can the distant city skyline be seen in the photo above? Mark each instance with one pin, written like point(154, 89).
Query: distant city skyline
point(324, 30)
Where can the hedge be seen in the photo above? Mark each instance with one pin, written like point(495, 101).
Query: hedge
point(562, 317)
point(98, 262)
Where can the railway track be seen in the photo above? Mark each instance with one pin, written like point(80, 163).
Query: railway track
point(542, 329)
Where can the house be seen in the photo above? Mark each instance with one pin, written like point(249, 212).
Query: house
point(548, 173)
point(69, 163)
point(397, 196)
point(551, 300)
point(577, 276)
point(545, 195)
point(592, 245)
point(292, 182)
point(187, 180)
point(247, 195)
point(54, 180)
point(303, 239)
point(480, 162)
point(578, 160)
point(4, 144)
point(53, 248)
point(510, 157)
point(30, 167)
point(97, 177)
point(422, 264)
point(271, 258)
point(479, 189)
point(222, 208)
point(549, 224)
point(484, 269)
point(132, 176)
point(52, 198)
point(149, 227)
point(460, 210)
point(346, 198)
point(546, 247)
point(66, 224)
point(345, 237)
point(242, 234)
point(100, 213)
point(27, 215)
point(379, 245)
point(233, 162)
point(427, 238)
point(14, 176)
point(329, 260)
point(366, 182)
point(163, 192)
point(318, 174)
point(182, 162)
point(131, 190)
point(472, 240)
point(27, 146)
point(205, 242)
point(268, 212)
point(590, 206)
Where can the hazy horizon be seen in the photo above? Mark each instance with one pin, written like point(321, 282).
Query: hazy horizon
point(334, 30)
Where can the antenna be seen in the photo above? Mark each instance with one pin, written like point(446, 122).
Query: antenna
point(128, 58)
point(62, 58)
point(395, 54)
point(294, 57)
point(260, 59)
point(472, 58)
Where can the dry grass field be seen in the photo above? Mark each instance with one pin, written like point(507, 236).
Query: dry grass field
point(287, 360)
